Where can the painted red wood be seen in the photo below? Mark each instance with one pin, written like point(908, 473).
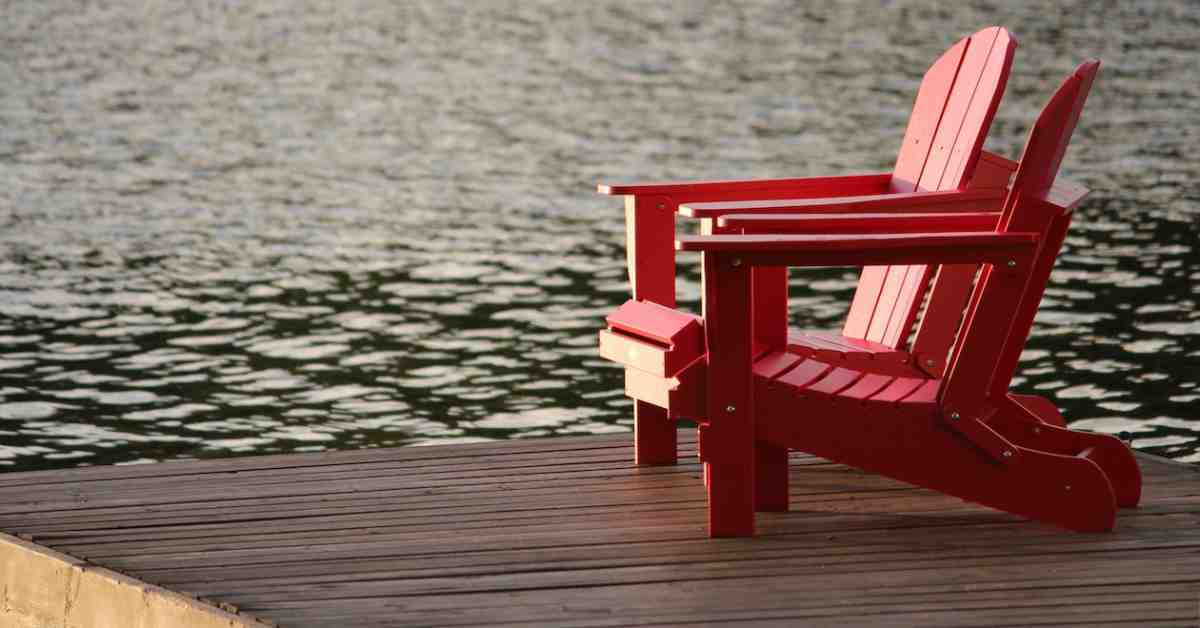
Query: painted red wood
point(1039, 277)
point(986, 199)
point(1040, 408)
point(682, 395)
point(926, 393)
point(998, 292)
point(1037, 178)
point(649, 228)
point(651, 262)
point(729, 442)
point(857, 397)
point(968, 112)
point(775, 364)
point(651, 357)
point(759, 188)
point(893, 284)
point(840, 397)
point(953, 151)
point(926, 114)
point(836, 347)
point(654, 435)
point(890, 362)
point(861, 223)
point(862, 307)
point(906, 441)
point(652, 277)
point(939, 326)
point(680, 332)
point(804, 374)
point(867, 387)
point(965, 157)
point(835, 381)
point(770, 477)
point(770, 311)
point(1030, 429)
point(900, 388)
point(992, 171)
point(900, 324)
point(845, 247)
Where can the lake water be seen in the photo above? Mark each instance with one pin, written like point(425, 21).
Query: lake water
point(234, 228)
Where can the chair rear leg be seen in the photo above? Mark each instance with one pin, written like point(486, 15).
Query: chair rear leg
point(1021, 426)
point(770, 477)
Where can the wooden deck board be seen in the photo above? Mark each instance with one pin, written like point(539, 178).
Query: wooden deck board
point(568, 532)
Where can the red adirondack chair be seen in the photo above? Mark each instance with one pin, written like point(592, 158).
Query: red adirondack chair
point(940, 167)
point(960, 434)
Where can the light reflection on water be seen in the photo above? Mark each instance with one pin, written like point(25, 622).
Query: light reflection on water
point(296, 226)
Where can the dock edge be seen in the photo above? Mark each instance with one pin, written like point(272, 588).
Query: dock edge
point(42, 588)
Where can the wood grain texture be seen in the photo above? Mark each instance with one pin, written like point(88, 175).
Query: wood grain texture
point(567, 531)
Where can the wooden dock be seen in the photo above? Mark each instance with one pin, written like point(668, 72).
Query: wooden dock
point(567, 532)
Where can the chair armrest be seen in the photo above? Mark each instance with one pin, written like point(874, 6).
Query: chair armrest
point(859, 223)
point(1066, 194)
point(754, 188)
point(1011, 249)
point(988, 199)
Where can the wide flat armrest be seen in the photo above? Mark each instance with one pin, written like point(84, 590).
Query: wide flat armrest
point(860, 223)
point(989, 199)
point(869, 249)
point(754, 188)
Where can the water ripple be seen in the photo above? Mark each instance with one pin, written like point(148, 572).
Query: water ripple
point(288, 226)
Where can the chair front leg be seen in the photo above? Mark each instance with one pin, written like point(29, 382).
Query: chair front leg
point(769, 326)
point(650, 253)
point(729, 443)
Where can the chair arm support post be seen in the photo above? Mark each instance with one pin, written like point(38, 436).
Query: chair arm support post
point(649, 233)
point(988, 322)
point(729, 441)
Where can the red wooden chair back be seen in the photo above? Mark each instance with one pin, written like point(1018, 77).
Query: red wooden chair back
point(954, 108)
point(1029, 207)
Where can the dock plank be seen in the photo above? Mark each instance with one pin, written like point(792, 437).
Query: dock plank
point(568, 532)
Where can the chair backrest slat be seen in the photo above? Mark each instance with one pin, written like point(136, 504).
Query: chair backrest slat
point(902, 318)
point(950, 119)
point(892, 286)
point(926, 115)
point(995, 327)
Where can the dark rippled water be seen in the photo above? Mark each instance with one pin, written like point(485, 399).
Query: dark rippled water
point(237, 228)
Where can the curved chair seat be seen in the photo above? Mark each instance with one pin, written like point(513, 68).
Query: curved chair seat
point(863, 371)
point(836, 349)
point(847, 378)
